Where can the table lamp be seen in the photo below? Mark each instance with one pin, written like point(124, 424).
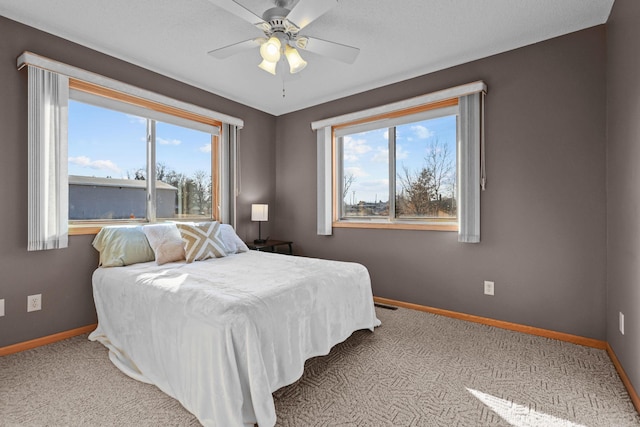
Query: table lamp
point(259, 212)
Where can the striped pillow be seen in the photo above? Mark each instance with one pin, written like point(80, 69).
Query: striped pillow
point(202, 240)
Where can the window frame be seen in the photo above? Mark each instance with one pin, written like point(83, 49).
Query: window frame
point(471, 179)
point(389, 121)
point(92, 226)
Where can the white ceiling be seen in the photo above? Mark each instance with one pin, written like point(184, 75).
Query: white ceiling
point(399, 39)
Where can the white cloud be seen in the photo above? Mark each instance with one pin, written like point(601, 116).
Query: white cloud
point(381, 155)
point(163, 141)
point(421, 132)
point(382, 184)
point(205, 148)
point(354, 148)
point(401, 153)
point(86, 162)
point(355, 171)
point(137, 119)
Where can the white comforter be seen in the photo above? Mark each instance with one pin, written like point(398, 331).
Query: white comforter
point(221, 335)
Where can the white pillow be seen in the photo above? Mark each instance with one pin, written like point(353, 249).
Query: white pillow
point(233, 243)
point(166, 242)
point(122, 245)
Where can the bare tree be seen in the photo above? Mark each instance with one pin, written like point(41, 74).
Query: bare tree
point(162, 171)
point(429, 190)
point(417, 192)
point(349, 179)
point(194, 193)
point(442, 167)
point(138, 174)
point(200, 190)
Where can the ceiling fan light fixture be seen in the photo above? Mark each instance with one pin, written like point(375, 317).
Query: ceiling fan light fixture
point(281, 26)
point(296, 63)
point(270, 50)
point(268, 66)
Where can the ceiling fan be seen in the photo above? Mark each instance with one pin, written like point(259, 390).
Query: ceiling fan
point(281, 26)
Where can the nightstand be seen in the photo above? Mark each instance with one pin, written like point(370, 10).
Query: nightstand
point(270, 245)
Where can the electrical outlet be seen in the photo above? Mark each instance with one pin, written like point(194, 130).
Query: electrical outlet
point(1, 307)
point(621, 322)
point(34, 302)
point(488, 287)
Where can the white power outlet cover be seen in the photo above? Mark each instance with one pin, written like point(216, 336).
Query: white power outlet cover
point(34, 302)
point(1, 307)
point(621, 319)
point(488, 287)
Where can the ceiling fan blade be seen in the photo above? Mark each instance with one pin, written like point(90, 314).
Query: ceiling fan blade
point(341, 52)
point(240, 11)
point(227, 51)
point(306, 11)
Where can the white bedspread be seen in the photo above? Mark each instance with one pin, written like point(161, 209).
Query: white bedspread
point(221, 335)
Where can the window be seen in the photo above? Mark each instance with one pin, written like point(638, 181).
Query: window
point(412, 164)
point(184, 161)
point(398, 171)
point(51, 86)
point(111, 144)
point(106, 148)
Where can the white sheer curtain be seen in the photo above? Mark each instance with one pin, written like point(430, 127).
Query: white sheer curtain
point(228, 165)
point(471, 174)
point(325, 205)
point(48, 206)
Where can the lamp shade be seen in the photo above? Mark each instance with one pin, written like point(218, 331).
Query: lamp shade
point(269, 67)
point(259, 212)
point(296, 63)
point(270, 50)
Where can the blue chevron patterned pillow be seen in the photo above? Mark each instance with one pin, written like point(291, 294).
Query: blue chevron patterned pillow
point(202, 240)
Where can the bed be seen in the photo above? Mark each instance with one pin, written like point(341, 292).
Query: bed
point(222, 334)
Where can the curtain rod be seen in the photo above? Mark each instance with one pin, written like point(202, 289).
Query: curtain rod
point(454, 92)
point(31, 59)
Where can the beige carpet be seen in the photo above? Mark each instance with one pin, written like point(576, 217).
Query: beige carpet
point(417, 369)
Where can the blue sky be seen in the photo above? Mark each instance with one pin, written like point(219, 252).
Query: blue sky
point(105, 143)
point(366, 154)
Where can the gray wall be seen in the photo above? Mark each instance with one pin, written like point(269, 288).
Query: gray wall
point(623, 191)
point(63, 277)
point(543, 213)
